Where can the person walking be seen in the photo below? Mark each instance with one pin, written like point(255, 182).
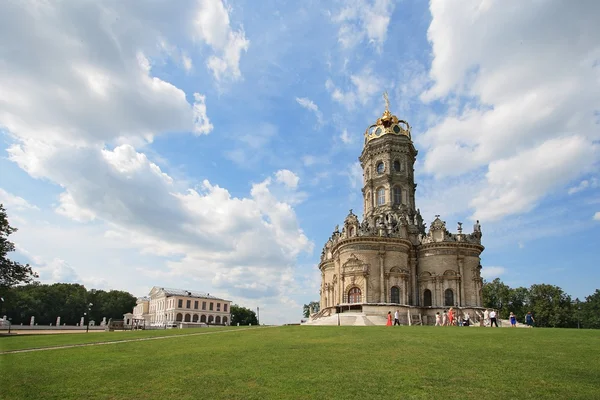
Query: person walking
point(389, 319)
point(529, 320)
point(486, 318)
point(513, 320)
point(397, 318)
point(493, 319)
point(445, 319)
point(438, 319)
point(451, 316)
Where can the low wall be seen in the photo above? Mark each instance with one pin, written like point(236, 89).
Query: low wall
point(15, 327)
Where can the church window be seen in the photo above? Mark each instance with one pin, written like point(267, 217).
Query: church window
point(449, 298)
point(351, 232)
point(380, 167)
point(354, 295)
point(397, 195)
point(380, 196)
point(427, 298)
point(396, 166)
point(395, 295)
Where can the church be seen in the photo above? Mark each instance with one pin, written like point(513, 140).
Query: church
point(390, 260)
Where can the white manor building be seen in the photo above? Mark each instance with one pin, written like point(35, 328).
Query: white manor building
point(166, 306)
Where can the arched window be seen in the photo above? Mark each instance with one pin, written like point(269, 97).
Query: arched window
point(395, 295)
point(179, 317)
point(427, 298)
point(203, 318)
point(397, 195)
point(195, 318)
point(187, 318)
point(380, 196)
point(396, 166)
point(210, 319)
point(218, 320)
point(449, 298)
point(351, 232)
point(224, 320)
point(354, 295)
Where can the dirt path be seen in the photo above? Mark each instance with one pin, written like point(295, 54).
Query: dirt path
point(68, 346)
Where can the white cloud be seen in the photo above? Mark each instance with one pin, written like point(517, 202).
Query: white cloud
point(10, 201)
point(346, 137)
point(364, 85)
point(491, 273)
point(311, 106)
point(591, 183)
point(515, 184)
point(364, 19)
point(288, 178)
point(213, 27)
point(355, 174)
point(517, 85)
point(597, 216)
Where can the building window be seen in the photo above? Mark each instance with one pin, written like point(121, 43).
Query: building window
point(180, 303)
point(188, 318)
point(211, 319)
point(224, 320)
point(397, 195)
point(396, 166)
point(196, 305)
point(395, 295)
point(203, 318)
point(380, 167)
point(354, 295)
point(179, 317)
point(427, 298)
point(217, 320)
point(204, 305)
point(211, 307)
point(449, 298)
point(380, 196)
point(195, 318)
point(218, 306)
point(188, 304)
point(225, 307)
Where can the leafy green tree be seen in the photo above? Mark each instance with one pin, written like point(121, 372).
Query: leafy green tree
point(313, 306)
point(518, 301)
point(112, 304)
point(551, 307)
point(11, 272)
point(243, 315)
point(496, 295)
point(590, 311)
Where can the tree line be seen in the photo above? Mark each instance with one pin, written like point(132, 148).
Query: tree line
point(69, 301)
point(549, 304)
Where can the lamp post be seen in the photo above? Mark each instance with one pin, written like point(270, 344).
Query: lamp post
point(578, 312)
point(165, 321)
point(258, 315)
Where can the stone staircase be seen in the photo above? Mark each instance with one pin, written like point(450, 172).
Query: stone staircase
point(348, 319)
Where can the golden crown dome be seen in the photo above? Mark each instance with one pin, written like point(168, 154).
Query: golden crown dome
point(388, 124)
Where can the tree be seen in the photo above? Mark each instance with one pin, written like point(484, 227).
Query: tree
point(496, 295)
point(518, 302)
point(11, 272)
point(311, 307)
point(551, 307)
point(243, 315)
point(112, 304)
point(590, 311)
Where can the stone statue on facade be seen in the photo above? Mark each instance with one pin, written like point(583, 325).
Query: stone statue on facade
point(477, 227)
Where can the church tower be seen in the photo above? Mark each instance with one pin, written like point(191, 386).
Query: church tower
point(387, 162)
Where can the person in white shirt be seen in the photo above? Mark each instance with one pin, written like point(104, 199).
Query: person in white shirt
point(438, 319)
point(493, 319)
point(486, 317)
point(444, 319)
point(397, 318)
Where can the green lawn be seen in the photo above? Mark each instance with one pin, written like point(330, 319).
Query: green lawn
point(318, 363)
point(49, 340)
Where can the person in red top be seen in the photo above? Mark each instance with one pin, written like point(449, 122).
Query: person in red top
point(451, 316)
point(389, 319)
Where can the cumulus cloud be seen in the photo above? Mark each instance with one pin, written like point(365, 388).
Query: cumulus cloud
point(10, 201)
point(585, 184)
point(307, 103)
point(363, 86)
point(596, 216)
point(518, 87)
point(363, 19)
point(288, 178)
point(345, 137)
point(491, 273)
point(213, 27)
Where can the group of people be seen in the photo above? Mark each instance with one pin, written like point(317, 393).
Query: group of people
point(451, 318)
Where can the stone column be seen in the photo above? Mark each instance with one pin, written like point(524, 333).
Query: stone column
point(405, 287)
point(436, 291)
point(461, 292)
point(381, 280)
point(366, 299)
point(413, 278)
point(32, 321)
point(57, 321)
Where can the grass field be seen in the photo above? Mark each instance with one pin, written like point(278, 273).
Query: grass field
point(313, 362)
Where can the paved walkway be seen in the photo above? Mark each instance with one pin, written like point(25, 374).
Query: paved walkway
point(68, 346)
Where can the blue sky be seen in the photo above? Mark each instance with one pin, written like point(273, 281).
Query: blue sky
point(213, 145)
